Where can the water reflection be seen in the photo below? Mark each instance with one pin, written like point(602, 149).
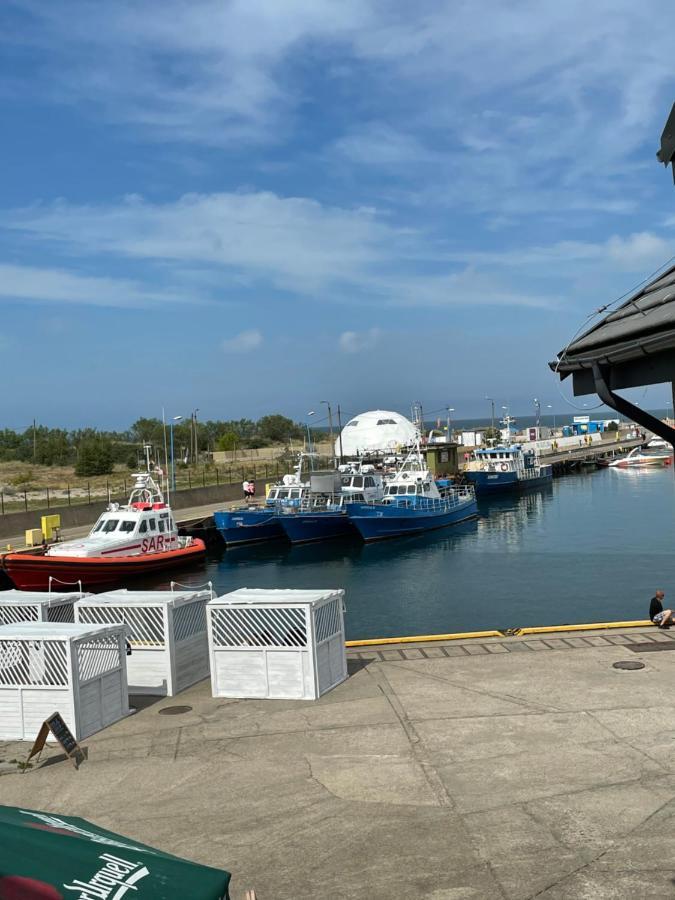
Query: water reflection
point(593, 545)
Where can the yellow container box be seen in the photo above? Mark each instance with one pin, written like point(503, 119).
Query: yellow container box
point(33, 537)
point(49, 523)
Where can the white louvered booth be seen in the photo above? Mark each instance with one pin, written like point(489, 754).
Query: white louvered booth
point(78, 670)
point(166, 631)
point(37, 606)
point(281, 644)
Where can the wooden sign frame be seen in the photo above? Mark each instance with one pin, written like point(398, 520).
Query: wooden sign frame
point(64, 738)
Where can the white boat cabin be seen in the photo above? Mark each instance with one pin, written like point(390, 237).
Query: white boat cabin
point(505, 459)
point(144, 525)
point(412, 480)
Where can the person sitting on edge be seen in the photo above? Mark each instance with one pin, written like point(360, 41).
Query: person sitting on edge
point(244, 487)
point(660, 616)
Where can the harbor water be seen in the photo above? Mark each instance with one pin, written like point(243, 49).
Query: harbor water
point(591, 547)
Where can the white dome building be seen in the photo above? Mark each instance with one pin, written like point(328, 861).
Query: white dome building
point(378, 431)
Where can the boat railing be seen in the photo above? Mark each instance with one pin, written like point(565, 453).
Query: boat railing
point(456, 498)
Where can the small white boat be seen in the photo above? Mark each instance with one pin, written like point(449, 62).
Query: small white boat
point(638, 458)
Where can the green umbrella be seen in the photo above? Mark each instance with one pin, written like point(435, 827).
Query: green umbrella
point(47, 856)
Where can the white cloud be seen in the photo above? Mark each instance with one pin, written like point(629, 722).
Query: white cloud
point(294, 245)
point(243, 342)
point(60, 286)
point(357, 341)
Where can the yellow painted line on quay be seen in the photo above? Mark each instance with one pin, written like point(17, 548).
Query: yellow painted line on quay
point(516, 632)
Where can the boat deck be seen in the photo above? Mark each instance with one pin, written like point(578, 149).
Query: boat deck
point(486, 768)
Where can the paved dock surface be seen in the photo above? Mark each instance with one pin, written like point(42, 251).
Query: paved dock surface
point(451, 771)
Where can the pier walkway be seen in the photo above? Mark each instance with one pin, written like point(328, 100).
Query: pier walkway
point(503, 767)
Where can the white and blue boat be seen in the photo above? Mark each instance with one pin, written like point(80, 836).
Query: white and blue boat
point(322, 513)
point(495, 470)
point(412, 504)
point(253, 524)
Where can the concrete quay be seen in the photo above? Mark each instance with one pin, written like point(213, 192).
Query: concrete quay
point(509, 768)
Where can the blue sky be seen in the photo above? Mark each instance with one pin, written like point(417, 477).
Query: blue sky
point(251, 206)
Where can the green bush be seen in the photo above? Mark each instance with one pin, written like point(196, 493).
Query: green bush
point(95, 456)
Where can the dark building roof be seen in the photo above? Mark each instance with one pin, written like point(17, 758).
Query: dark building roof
point(635, 342)
point(666, 152)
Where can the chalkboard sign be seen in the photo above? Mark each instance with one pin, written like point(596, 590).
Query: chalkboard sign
point(63, 735)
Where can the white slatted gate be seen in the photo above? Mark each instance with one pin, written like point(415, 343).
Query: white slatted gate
point(47, 666)
point(166, 632)
point(276, 644)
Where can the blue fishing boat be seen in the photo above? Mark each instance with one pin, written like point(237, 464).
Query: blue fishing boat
point(253, 524)
point(322, 513)
point(412, 504)
point(494, 470)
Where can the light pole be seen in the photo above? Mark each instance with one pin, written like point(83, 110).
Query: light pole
point(492, 403)
point(194, 431)
point(450, 409)
point(548, 406)
point(538, 407)
point(173, 465)
point(330, 428)
point(309, 441)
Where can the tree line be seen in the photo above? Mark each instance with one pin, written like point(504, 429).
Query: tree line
point(94, 452)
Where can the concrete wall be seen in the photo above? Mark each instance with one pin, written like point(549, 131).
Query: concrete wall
point(12, 524)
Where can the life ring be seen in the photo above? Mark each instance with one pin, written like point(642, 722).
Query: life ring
point(404, 476)
point(505, 468)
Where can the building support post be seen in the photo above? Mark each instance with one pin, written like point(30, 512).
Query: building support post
point(628, 409)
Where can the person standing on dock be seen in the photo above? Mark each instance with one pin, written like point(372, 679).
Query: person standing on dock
point(660, 616)
point(245, 489)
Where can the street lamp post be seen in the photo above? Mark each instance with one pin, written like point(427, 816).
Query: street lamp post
point(492, 418)
point(330, 428)
point(538, 407)
point(309, 441)
point(548, 406)
point(450, 409)
point(194, 453)
point(173, 465)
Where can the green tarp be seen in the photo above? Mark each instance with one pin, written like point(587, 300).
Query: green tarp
point(47, 856)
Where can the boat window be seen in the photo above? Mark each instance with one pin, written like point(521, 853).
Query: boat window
point(153, 525)
point(110, 525)
point(411, 488)
point(144, 527)
point(357, 481)
point(127, 525)
point(357, 498)
point(282, 495)
point(386, 422)
point(98, 525)
point(161, 525)
point(352, 424)
point(294, 495)
point(369, 481)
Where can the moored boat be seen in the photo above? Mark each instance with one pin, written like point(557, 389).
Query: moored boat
point(638, 458)
point(127, 541)
point(500, 469)
point(254, 524)
point(322, 513)
point(412, 504)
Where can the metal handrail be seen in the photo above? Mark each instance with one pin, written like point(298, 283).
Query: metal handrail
point(424, 503)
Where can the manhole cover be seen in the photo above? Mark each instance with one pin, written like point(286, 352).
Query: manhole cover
point(628, 664)
point(179, 710)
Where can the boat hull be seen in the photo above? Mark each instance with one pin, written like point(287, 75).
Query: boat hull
point(504, 482)
point(248, 526)
point(306, 527)
point(31, 572)
point(379, 522)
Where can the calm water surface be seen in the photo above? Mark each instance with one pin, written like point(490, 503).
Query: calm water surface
point(590, 548)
